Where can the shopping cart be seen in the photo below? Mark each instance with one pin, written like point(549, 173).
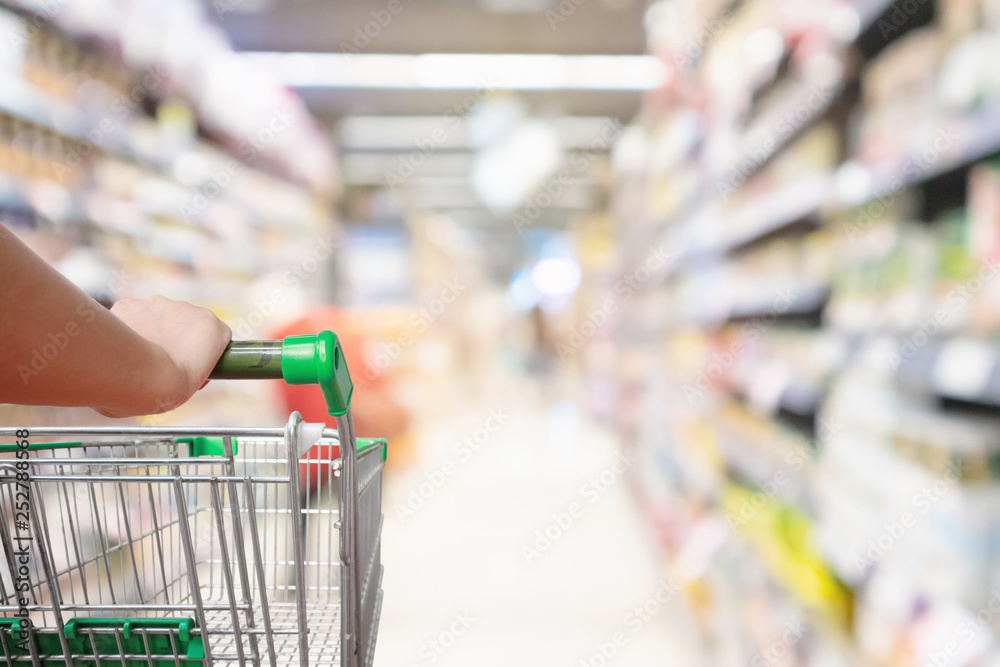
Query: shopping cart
point(159, 547)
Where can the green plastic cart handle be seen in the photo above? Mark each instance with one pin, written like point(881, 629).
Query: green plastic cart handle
point(312, 359)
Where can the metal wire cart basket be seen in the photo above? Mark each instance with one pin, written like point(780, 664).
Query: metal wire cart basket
point(159, 547)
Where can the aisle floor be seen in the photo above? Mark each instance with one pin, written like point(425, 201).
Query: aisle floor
point(459, 588)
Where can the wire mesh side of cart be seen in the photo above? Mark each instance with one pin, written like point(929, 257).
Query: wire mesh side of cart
point(180, 547)
point(370, 519)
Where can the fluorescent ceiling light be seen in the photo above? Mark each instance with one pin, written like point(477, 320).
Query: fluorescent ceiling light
point(402, 133)
point(451, 71)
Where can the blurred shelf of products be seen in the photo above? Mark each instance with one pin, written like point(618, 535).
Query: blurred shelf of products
point(139, 163)
point(811, 377)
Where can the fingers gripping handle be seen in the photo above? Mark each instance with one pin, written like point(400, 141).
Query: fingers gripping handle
point(313, 359)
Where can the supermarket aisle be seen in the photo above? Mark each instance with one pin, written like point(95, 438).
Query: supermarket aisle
point(459, 586)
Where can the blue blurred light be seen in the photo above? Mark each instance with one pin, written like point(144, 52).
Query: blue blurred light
point(522, 293)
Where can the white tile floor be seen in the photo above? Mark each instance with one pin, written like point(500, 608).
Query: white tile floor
point(458, 587)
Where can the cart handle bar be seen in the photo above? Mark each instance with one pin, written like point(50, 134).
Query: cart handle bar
point(312, 359)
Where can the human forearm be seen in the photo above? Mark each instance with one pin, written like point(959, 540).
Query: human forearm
point(60, 347)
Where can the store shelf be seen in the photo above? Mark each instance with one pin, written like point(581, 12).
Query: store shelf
point(807, 303)
point(26, 102)
point(759, 135)
point(976, 137)
point(795, 406)
point(959, 369)
point(761, 128)
point(768, 214)
point(22, 99)
point(817, 195)
point(801, 205)
point(183, 232)
point(764, 215)
point(869, 12)
point(792, 209)
point(908, 421)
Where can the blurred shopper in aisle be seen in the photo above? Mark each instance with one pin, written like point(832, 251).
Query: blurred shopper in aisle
point(541, 358)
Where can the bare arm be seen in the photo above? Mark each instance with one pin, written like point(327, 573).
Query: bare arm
point(60, 347)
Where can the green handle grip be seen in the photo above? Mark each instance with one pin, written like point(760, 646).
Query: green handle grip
point(312, 359)
point(249, 360)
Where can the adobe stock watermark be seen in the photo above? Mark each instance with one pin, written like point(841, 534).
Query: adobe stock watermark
point(749, 332)
point(958, 298)
point(57, 341)
point(779, 649)
point(922, 502)
point(913, 170)
point(635, 620)
point(698, 44)
point(409, 163)
point(418, 322)
point(900, 16)
point(562, 12)
point(462, 452)
point(248, 149)
point(44, 14)
point(434, 648)
point(319, 252)
point(580, 162)
point(589, 493)
point(624, 288)
point(960, 644)
point(795, 459)
point(784, 128)
point(121, 107)
point(365, 35)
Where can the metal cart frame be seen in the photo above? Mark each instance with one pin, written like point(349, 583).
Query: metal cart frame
point(197, 546)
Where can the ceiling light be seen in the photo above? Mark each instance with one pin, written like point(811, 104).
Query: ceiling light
point(505, 173)
point(451, 71)
point(556, 276)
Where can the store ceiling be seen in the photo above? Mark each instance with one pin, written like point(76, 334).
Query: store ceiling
point(606, 27)
point(593, 27)
point(439, 26)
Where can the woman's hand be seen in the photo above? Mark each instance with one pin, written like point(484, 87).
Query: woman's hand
point(188, 341)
